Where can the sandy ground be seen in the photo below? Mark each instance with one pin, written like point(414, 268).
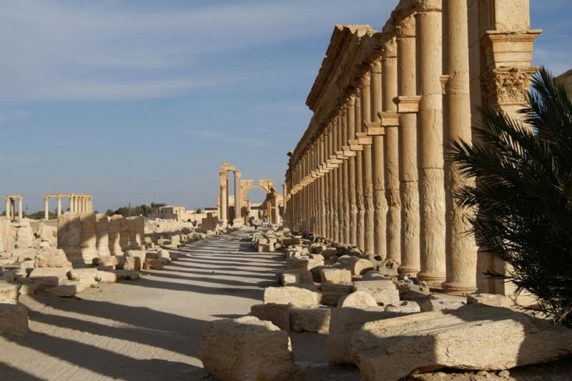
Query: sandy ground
point(150, 329)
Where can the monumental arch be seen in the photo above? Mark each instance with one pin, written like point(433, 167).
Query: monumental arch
point(371, 171)
point(223, 201)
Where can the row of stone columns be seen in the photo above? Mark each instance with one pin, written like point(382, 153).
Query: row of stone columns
point(78, 203)
point(224, 204)
point(10, 202)
point(372, 172)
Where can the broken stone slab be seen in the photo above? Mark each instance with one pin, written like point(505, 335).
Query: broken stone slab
point(51, 258)
point(295, 277)
point(247, 348)
point(278, 314)
point(13, 320)
point(405, 307)
point(383, 290)
point(68, 289)
point(106, 276)
point(389, 267)
point(373, 275)
point(440, 302)
point(336, 276)
point(8, 293)
point(358, 299)
point(474, 337)
point(50, 275)
point(332, 293)
point(494, 300)
point(361, 266)
point(295, 296)
point(409, 290)
point(127, 274)
point(344, 322)
point(86, 276)
point(153, 264)
point(310, 319)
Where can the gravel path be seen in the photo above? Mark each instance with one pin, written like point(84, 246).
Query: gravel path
point(148, 329)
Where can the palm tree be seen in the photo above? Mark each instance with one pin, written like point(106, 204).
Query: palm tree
point(523, 193)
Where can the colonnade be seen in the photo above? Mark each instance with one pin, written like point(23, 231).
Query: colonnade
point(10, 202)
point(223, 201)
point(78, 203)
point(370, 170)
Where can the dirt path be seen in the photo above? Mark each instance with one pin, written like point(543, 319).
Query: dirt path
point(143, 330)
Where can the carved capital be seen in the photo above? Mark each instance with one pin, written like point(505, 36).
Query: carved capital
point(390, 48)
point(429, 6)
point(506, 85)
point(365, 80)
point(406, 28)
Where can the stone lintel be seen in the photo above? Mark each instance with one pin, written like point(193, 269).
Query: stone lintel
point(408, 104)
point(364, 139)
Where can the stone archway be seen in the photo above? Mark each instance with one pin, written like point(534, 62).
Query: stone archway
point(271, 202)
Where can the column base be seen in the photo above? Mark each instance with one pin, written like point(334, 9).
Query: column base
point(238, 222)
point(408, 271)
point(459, 289)
point(433, 280)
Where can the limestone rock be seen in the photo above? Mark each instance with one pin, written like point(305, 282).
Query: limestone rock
point(389, 267)
point(295, 277)
point(278, 314)
point(247, 349)
point(68, 289)
point(373, 275)
point(336, 276)
point(106, 276)
point(13, 320)
point(490, 300)
point(8, 293)
point(312, 319)
point(153, 264)
point(343, 323)
point(405, 307)
point(361, 266)
point(50, 276)
point(474, 337)
point(24, 235)
point(384, 291)
point(294, 296)
point(440, 302)
point(127, 274)
point(86, 276)
point(358, 299)
point(51, 258)
point(332, 292)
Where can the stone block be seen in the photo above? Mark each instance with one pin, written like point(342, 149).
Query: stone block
point(153, 264)
point(389, 267)
point(68, 289)
point(49, 275)
point(408, 290)
point(441, 302)
point(86, 276)
point(358, 299)
point(132, 264)
point(361, 266)
point(127, 274)
point(8, 293)
point(278, 314)
point(332, 293)
point(336, 276)
point(13, 320)
point(474, 337)
point(106, 276)
point(295, 277)
point(310, 319)
point(295, 296)
point(51, 258)
point(384, 291)
point(247, 349)
point(373, 275)
point(405, 307)
point(490, 300)
point(344, 323)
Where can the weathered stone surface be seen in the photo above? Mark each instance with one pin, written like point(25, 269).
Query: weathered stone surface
point(106, 276)
point(127, 274)
point(405, 307)
point(384, 291)
point(68, 289)
point(332, 292)
point(88, 238)
point(153, 264)
point(69, 236)
point(51, 258)
point(295, 296)
point(490, 300)
point(389, 267)
point(86, 276)
point(102, 235)
point(358, 299)
point(343, 323)
point(247, 349)
point(24, 235)
point(278, 314)
point(8, 293)
point(295, 277)
point(361, 266)
point(408, 290)
point(13, 320)
point(51, 276)
point(336, 276)
point(310, 319)
point(440, 302)
point(475, 337)
point(373, 275)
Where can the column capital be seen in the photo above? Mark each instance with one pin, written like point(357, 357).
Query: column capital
point(424, 6)
point(390, 48)
point(365, 80)
point(406, 27)
point(376, 66)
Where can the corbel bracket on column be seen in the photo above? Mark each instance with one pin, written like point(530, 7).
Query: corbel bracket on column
point(408, 104)
point(334, 159)
point(348, 152)
point(364, 139)
point(389, 119)
point(340, 155)
point(355, 145)
point(374, 128)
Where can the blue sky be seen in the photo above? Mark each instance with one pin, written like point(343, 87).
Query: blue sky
point(137, 101)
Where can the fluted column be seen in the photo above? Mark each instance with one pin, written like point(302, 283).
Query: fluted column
point(378, 158)
point(359, 178)
point(391, 152)
point(8, 205)
point(59, 206)
point(461, 246)
point(20, 210)
point(367, 168)
point(237, 199)
point(345, 179)
point(352, 174)
point(431, 174)
point(322, 187)
point(46, 208)
point(223, 196)
point(408, 176)
point(335, 187)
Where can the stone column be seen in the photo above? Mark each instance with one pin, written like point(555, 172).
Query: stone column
point(352, 173)
point(102, 235)
point(238, 221)
point(378, 158)
point(461, 246)
point(335, 185)
point(391, 151)
point(59, 206)
point(46, 208)
point(431, 174)
point(223, 196)
point(408, 177)
point(114, 234)
point(345, 178)
point(8, 205)
point(323, 204)
point(20, 209)
point(367, 172)
point(359, 179)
